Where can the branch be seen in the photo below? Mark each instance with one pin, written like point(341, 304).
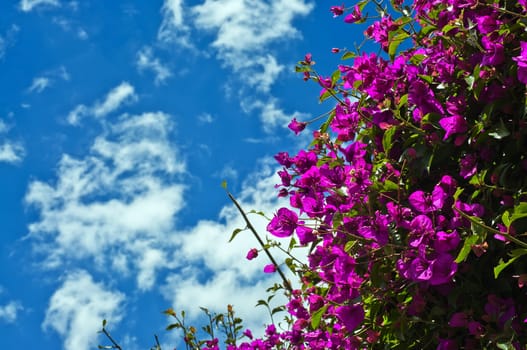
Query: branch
point(287, 285)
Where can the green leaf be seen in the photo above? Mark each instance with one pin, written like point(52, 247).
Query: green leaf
point(505, 218)
point(387, 139)
point(317, 316)
point(467, 246)
point(390, 186)
point(173, 326)
point(515, 254)
point(103, 323)
point(235, 233)
point(499, 131)
point(458, 192)
point(348, 55)
point(520, 211)
point(395, 41)
point(402, 101)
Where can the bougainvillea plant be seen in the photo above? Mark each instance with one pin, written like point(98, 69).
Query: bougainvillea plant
point(413, 193)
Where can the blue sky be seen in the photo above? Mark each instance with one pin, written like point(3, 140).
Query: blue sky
point(118, 122)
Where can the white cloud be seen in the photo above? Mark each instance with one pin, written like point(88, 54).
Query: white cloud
point(205, 118)
point(271, 115)
point(115, 98)
point(9, 311)
point(244, 30)
point(121, 94)
point(78, 307)
point(67, 25)
point(173, 27)
point(28, 5)
point(147, 61)
point(39, 84)
point(115, 205)
point(11, 152)
point(8, 39)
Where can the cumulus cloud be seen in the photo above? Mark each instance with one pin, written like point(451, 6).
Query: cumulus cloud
point(9, 312)
point(147, 61)
point(121, 94)
point(28, 5)
point(115, 205)
point(244, 30)
point(77, 308)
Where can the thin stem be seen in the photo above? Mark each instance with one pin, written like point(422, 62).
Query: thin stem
point(287, 285)
point(115, 345)
point(493, 230)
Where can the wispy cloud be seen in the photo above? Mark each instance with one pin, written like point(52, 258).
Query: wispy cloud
point(9, 312)
point(121, 94)
point(29, 5)
point(173, 28)
point(147, 61)
point(78, 307)
point(39, 84)
point(205, 118)
point(69, 26)
point(8, 39)
point(46, 80)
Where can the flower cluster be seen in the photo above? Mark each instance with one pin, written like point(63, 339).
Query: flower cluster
point(413, 196)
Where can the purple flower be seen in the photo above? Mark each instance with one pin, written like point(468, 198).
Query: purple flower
point(476, 329)
point(486, 24)
point(453, 125)
point(446, 242)
point(251, 254)
point(494, 51)
point(468, 166)
point(426, 203)
point(248, 333)
point(283, 223)
point(355, 16)
point(337, 10)
point(305, 235)
point(522, 63)
point(459, 319)
point(443, 268)
point(297, 126)
point(269, 268)
point(350, 315)
point(447, 344)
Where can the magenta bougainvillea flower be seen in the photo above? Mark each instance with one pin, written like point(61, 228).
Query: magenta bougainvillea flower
point(455, 124)
point(337, 10)
point(297, 126)
point(350, 315)
point(426, 203)
point(270, 268)
point(252, 253)
point(284, 223)
point(522, 63)
point(354, 16)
